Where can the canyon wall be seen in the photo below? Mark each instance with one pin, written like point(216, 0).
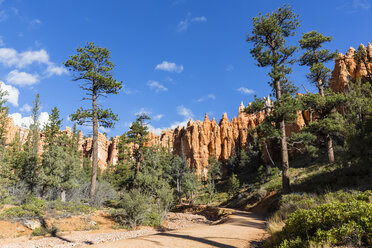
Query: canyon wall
point(199, 140)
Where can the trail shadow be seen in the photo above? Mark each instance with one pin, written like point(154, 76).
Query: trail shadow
point(201, 240)
point(244, 222)
point(333, 178)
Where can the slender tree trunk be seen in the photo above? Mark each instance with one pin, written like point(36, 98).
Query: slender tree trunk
point(331, 156)
point(284, 148)
point(63, 196)
point(95, 144)
point(330, 152)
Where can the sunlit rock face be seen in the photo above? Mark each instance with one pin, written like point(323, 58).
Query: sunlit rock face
point(347, 68)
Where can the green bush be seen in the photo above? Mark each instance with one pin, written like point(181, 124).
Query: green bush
point(33, 207)
point(135, 205)
point(332, 223)
point(39, 231)
point(152, 219)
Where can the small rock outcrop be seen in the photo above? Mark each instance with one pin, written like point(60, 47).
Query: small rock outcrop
point(347, 68)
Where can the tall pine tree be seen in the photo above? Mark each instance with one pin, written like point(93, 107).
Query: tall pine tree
point(93, 68)
point(270, 50)
point(315, 57)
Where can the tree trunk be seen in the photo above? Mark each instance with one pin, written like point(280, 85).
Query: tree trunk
point(63, 196)
point(331, 155)
point(95, 145)
point(284, 148)
point(330, 152)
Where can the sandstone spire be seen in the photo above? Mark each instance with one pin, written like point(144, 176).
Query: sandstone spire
point(241, 107)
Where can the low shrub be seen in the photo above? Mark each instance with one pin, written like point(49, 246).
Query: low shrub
point(135, 205)
point(332, 223)
point(39, 231)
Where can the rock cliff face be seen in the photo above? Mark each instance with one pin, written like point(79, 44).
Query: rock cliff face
point(201, 139)
point(347, 68)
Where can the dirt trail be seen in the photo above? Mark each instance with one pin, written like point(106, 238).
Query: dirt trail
point(240, 230)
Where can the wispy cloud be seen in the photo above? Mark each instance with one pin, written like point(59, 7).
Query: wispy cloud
point(244, 90)
point(26, 108)
point(154, 85)
point(355, 6)
point(169, 67)
point(157, 117)
point(229, 68)
point(184, 24)
point(142, 111)
point(186, 113)
point(3, 15)
point(208, 97)
point(35, 22)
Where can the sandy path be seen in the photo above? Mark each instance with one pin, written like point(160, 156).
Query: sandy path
point(238, 231)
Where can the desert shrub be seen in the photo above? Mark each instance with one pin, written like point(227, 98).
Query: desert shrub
point(332, 223)
point(71, 207)
point(39, 231)
point(152, 219)
point(104, 192)
point(135, 205)
point(164, 201)
point(232, 185)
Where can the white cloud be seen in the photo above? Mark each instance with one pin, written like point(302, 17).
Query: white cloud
point(208, 97)
point(22, 78)
point(35, 22)
point(21, 121)
point(181, 110)
point(103, 129)
point(12, 93)
point(142, 111)
point(10, 57)
point(244, 90)
point(154, 85)
point(229, 68)
point(185, 112)
point(169, 66)
point(26, 121)
point(362, 4)
point(158, 117)
point(26, 108)
point(199, 19)
point(53, 69)
point(43, 118)
point(184, 25)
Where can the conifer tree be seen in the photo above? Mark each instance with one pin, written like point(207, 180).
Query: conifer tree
point(30, 158)
point(3, 121)
point(270, 50)
point(315, 57)
point(60, 159)
point(137, 135)
point(93, 69)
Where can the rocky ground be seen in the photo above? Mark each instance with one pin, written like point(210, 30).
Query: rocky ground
point(175, 221)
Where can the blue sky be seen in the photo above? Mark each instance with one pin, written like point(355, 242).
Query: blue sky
point(178, 59)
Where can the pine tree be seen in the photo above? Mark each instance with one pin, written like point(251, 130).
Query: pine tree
point(315, 57)
point(60, 159)
point(137, 136)
point(29, 158)
point(4, 110)
point(270, 50)
point(94, 69)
